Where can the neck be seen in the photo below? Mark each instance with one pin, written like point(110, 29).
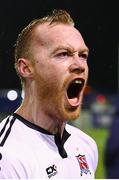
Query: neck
point(34, 110)
point(37, 116)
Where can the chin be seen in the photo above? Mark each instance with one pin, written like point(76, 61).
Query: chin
point(71, 115)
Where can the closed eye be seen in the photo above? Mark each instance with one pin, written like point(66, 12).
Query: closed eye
point(64, 54)
point(84, 56)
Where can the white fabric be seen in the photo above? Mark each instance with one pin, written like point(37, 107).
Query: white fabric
point(28, 153)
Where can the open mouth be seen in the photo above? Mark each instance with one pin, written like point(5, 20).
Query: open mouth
point(75, 88)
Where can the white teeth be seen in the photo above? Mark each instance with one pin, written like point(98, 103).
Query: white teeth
point(78, 81)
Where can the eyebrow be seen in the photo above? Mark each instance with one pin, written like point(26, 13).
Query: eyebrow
point(69, 47)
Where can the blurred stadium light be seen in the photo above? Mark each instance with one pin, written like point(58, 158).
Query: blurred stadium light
point(9, 101)
point(12, 95)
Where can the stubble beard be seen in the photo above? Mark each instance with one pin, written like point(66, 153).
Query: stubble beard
point(66, 112)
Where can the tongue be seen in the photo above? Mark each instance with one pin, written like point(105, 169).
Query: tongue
point(74, 101)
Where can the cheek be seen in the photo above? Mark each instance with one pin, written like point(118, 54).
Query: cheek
point(49, 76)
point(52, 78)
point(48, 84)
point(54, 75)
point(86, 72)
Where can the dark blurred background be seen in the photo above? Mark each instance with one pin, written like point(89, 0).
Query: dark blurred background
point(98, 22)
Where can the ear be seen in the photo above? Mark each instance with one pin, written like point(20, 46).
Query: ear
point(25, 68)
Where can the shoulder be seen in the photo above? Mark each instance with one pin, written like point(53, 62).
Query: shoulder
point(11, 150)
point(85, 142)
point(3, 123)
point(74, 131)
point(10, 166)
point(6, 130)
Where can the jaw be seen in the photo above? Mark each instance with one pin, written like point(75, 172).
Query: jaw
point(71, 113)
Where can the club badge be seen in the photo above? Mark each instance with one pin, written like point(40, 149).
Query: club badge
point(83, 164)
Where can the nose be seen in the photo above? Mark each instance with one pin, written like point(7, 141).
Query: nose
point(77, 67)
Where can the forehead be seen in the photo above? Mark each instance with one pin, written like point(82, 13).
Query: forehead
point(59, 34)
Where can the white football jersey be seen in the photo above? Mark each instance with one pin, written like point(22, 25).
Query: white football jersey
point(28, 151)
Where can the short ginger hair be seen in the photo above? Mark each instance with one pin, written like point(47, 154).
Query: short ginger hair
point(24, 39)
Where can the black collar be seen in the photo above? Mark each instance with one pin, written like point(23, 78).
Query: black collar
point(58, 140)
